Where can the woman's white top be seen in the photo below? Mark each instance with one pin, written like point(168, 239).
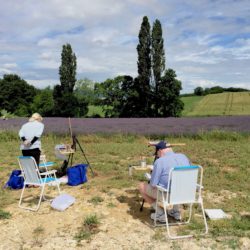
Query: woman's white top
point(30, 130)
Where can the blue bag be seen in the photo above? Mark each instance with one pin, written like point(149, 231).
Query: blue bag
point(77, 174)
point(15, 181)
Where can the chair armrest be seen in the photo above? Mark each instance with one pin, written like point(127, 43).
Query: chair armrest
point(47, 164)
point(161, 189)
point(49, 172)
point(199, 186)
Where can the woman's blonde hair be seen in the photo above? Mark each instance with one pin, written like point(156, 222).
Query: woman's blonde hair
point(36, 117)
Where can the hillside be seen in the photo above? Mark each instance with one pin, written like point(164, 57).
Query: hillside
point(227, 103)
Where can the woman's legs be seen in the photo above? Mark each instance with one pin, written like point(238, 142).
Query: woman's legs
point(34, 153)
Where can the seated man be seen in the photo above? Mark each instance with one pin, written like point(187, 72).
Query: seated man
point(167, 159)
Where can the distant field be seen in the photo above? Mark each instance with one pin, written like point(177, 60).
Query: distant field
point(190, 102)
point(228, 103)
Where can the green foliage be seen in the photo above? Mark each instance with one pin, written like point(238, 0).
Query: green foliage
point(170, 104)
point(120, 98)
point(65, 102)
point(110, 90)
point(67, 70)
point(84, 89)
point(95, 111)
point(5, 114)
point(217, 90)
point(43, 102)
point(158, 59)
point(199, 91)
point(144, 69)
point(66, 105)
point(16, 95)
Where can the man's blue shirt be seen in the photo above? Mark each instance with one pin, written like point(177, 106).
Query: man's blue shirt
point(163, 165)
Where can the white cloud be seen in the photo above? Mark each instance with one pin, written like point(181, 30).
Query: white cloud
point(5, 71)
point(10, 65)
point(206, 42)
point(42, 83)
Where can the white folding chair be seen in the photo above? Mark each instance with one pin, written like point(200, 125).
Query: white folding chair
point(184, 186)
point(32, 176)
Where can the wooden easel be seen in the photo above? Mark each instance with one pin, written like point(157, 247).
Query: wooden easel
point(72, 149)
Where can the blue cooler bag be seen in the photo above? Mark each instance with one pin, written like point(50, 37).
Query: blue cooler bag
point(77, 174)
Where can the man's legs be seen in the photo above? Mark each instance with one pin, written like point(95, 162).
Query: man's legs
point(175, 212)
point(147, 195)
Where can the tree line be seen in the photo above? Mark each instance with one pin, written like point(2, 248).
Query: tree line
point(154, 92)
point(216, 90)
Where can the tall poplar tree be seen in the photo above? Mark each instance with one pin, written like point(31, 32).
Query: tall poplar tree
point(144, 70)
point(67, 70)
point(66, 103)
point(158, 60)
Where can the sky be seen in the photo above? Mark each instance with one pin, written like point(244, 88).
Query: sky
point(207, 42)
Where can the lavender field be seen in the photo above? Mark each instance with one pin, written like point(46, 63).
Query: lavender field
point(142, 126)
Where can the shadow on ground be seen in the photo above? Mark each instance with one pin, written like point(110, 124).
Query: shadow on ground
point(134, 202)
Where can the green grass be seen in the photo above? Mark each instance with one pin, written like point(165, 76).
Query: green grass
point(223, 155)
point(190, 102)
point(89, 227)
point(227, 103)
point(96, 200)
point(4, 215)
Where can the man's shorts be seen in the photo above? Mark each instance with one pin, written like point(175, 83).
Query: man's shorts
point(150, 191)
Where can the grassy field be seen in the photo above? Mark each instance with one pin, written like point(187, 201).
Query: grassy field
point(228, 103)
point(190, 102)
point(223, 155)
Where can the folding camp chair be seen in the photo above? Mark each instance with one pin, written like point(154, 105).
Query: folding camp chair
point(32, 176)
point(184, 186)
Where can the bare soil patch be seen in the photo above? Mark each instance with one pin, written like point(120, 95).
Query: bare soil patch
point(122, 225)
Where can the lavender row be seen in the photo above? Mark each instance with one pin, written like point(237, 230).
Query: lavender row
point(143, 126)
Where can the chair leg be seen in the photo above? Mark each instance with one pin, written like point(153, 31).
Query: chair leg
point(57, 184)
point(41, 196)
point(167, 224)
point(204, 218)
point(21, 197)
point(39, 202)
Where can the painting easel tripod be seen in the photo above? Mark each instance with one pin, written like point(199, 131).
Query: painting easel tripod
point(70, 159)
point(71, 150)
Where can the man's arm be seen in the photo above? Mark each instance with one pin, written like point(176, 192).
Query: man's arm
point(155, 177)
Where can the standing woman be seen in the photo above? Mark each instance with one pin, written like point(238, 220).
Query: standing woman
point(30, 134)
